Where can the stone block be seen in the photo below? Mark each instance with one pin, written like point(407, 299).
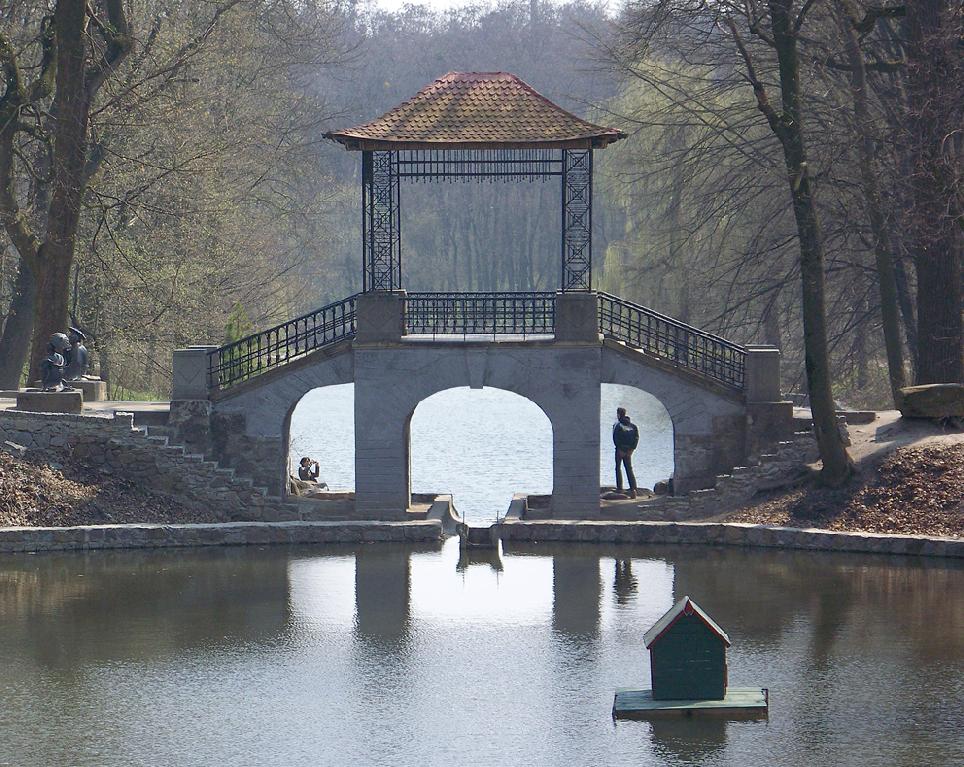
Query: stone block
point(932, 401)
point(50, 401)
point(762, 376)
point(577, 318)
point(12, 448)
point(380, 317)
point(190, 373)
point(93, 389)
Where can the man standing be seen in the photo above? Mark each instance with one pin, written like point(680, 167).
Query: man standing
point(625, 439)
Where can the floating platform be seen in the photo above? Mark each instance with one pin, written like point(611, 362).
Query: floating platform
point(739, 703)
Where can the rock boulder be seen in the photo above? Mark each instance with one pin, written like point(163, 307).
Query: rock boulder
point(932, 401)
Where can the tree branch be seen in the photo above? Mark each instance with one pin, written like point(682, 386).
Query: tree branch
point(759, 90)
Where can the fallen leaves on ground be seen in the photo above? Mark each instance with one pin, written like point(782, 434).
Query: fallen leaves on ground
point(58, 491)
point(914, 491)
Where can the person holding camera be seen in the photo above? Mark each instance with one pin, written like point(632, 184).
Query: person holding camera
point(308, 470)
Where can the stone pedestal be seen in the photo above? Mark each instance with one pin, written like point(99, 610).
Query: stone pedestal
point(762, 383)
point(380, 317)
point(190, 379)
point(577, 318)
point(50, 401)
point(93, 389)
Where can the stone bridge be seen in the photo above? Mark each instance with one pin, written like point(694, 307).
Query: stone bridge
point(235, 402)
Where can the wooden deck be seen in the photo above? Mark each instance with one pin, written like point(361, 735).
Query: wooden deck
point(739, 703)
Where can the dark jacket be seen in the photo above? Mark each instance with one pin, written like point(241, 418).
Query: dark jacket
point(309, 473)
point(625, 434)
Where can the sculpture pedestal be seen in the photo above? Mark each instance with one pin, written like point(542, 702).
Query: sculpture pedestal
point(50, 401)
point(93, 389)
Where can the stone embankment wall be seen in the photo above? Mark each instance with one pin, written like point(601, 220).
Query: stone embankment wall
point(22, 539)
point(728, 534)
point(114, 446)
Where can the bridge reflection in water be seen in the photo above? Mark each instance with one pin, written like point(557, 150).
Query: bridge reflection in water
point(182, 644)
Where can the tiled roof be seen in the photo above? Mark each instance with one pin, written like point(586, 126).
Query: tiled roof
point(476, 110)
point(685, 606)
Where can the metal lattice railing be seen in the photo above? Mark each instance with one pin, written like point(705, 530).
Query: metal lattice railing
point(260, 352)
point(522, 314)
point(656, 334)
point(481, 314)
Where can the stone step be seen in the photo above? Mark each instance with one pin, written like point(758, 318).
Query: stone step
point(162, 441)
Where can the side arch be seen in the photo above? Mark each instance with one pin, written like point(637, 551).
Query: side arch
point(709, 426)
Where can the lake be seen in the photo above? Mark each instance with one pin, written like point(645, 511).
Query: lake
point(397, 655)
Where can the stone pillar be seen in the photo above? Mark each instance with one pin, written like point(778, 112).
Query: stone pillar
point(380, 317)
point(762, 378)
point(769, 418)
point(190, 379)
point(382, 407)
point(574, 412)
point(577, 318)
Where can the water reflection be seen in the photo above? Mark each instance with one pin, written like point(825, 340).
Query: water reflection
point(362, 655)
point(677, 741)
point(382, 595)
point(576, 590)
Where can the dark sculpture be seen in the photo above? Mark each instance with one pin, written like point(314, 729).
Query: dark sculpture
point(52, 367)
point(77, 358)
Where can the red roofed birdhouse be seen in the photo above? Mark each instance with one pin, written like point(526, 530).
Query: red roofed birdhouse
point(687, 654)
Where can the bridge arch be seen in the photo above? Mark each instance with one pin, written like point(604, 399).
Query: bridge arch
point(654, 458)
point(495, 439)
point(390, 382)
point(320, 425)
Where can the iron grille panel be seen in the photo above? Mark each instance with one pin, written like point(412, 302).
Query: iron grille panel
point(484, 314)
point(708, 355)
point(284, 343)
point(577, 219)
point(381, 221)
point(468, 164)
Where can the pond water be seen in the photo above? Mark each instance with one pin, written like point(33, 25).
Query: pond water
point(396, 655)
point(481, 445)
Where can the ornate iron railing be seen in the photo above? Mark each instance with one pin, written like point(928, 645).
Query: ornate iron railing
point(485, 314)
point(661, 336)
point(260, 352)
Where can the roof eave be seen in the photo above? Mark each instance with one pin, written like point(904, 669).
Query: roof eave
point(359, 144)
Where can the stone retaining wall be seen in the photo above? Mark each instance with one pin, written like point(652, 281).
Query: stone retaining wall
point(729, 534)
point(24, 539)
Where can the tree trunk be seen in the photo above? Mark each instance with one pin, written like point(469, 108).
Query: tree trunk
point(71, 103)
point(837, 466)
point(883, 252)
point(17, 330)
point(933, 80)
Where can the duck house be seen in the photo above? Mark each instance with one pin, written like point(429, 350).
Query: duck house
point(687, 654)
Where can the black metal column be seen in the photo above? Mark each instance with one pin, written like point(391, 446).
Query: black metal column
point(381, 223)
point(576, 219)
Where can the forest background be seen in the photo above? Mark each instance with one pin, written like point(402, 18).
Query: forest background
point(213, 206)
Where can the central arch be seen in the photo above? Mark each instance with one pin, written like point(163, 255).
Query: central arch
point(391, 380)
point(481, 445)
